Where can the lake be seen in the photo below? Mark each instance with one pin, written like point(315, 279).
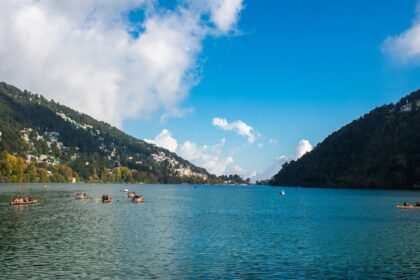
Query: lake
point(209, 232)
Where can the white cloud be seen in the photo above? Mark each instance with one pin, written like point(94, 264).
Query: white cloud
point(238, 126)
point(176, 113)
point(208, 157)
point(283, 158)
point(243, 172)
point(224, 13)
point(273, 141)
point(273, 168)
point(405, 47)
point(303, 147)
point(81, 52)
point(165, 140)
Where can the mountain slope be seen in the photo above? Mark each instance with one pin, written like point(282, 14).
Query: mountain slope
point(47, 134)
point(379, 150)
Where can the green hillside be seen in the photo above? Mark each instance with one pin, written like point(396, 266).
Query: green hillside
point(379, 150)
point(39, 134)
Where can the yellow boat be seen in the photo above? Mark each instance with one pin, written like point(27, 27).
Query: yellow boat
point(24, 203)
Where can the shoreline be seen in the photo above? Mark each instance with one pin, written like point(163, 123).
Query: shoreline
point(222, 185)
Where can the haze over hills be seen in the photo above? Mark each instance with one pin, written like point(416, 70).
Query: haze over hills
point(39, 137)
point(379, 150)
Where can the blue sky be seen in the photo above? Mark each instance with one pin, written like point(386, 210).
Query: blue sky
point(297, 70)
point(231, 85)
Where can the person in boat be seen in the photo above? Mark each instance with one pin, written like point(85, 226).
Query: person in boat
point(405, 203)
point(84, 195)
point(418, 203)
point(103, 198)
point(29, 199)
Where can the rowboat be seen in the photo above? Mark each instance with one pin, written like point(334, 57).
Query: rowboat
point(408, 207)
point(24, 203)
point(138, 199)
point(109, 200)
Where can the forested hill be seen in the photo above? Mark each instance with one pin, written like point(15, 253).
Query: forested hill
point(39, 137)
point(379, 150)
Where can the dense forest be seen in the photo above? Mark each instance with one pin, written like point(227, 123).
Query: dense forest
point(379, 150)
point(43, 141)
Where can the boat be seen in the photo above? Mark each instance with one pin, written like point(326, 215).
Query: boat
point(125, 190)
point(106, 199)
point(408, 206)
point(137, 199)
point(24, 203)
point(109, 200)
point(80, 197)
point(282, 192)
point(131, 194)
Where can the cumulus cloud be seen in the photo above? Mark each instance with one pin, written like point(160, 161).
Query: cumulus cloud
point(209, 157)
point(205, 156)
point(238, 126)
point(225, 13)
point(165, 140)
point(83, 53)
point(405, 47)
point(303, 147)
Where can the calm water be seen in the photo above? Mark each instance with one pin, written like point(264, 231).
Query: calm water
point(182, 232)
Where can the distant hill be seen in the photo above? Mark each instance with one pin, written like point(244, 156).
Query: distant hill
point(42, 136)
point(379, 150)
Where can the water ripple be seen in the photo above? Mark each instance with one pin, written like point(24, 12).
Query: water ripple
point(185, 233)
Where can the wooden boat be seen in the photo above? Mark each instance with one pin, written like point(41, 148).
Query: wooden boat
point(138, 199)
point(131, 195)
point(24, 203)
point(109, 200)
point(408, 206)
